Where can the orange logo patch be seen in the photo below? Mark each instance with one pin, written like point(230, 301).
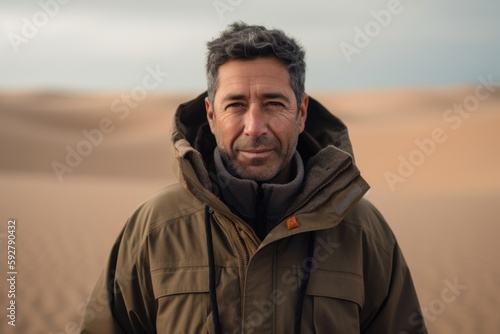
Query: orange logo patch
point(292, 223)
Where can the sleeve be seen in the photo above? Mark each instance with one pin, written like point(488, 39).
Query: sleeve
point(399, 311)
point(122, 301)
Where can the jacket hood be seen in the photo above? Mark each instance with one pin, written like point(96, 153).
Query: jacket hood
point(321, 129)
point(194, 144)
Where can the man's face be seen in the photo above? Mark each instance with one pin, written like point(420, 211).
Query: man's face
point(255, 118)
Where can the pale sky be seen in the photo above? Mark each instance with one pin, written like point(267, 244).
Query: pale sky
point(107, 45)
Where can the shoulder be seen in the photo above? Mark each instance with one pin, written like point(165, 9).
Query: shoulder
point(169, 206)
point(366, 218)
point(169, 203)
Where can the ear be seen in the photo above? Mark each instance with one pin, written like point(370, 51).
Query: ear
point(303, 113)
point(210, 114)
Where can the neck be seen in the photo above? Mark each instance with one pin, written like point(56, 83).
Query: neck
point(285, 175)
point(275, 196)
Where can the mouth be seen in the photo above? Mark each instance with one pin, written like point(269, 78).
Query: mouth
point(256, 153)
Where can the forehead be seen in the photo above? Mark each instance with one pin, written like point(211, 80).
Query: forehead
point(260, 73)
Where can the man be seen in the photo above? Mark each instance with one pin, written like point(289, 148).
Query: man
point(267, 231)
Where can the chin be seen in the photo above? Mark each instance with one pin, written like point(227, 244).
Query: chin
point(259, 175)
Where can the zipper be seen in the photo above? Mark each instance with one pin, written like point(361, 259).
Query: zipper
point(243, 248)
point(243, 273)
point(244, 259)
point(275, 286)
point(243, 251)
point(260, 215)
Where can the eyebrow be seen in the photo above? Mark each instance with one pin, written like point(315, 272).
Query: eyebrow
point(233, 97)
point(276, 96)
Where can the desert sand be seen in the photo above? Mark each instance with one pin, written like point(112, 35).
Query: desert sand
point(434, 175)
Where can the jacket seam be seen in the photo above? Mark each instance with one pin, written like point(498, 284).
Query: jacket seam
point(166, 220)
point(375, 240)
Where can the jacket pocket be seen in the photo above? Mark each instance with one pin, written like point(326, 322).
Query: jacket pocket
point(182, 297)
point(334, 301)
point(172, 281)
point(336, 284)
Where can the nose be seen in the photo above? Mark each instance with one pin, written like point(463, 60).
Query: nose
point(255, 121)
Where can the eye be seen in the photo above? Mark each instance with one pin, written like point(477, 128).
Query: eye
point(274, 105)
point(237, 106)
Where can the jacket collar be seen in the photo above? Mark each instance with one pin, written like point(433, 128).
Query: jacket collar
point(324, 147)
point(260, 205)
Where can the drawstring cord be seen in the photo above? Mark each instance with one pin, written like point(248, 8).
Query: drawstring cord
point(211, 272)
point(303, 286)
point(211, 280)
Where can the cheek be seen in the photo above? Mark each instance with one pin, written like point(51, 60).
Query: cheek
point(284, 128)
point(227, 131)
point(278, 124)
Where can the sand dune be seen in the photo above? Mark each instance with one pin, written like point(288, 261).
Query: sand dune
point(444, 209)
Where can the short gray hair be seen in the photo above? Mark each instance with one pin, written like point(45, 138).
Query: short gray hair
point(243, 41)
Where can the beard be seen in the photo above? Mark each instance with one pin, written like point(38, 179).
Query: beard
point(258, 169)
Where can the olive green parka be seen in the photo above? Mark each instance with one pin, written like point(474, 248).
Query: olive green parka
point(331, 265)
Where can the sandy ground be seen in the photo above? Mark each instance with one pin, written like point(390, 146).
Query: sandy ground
point(442, 203)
